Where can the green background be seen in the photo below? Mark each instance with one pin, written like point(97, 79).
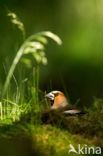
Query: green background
point(77, 65)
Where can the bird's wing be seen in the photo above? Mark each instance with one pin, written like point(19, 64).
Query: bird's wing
point(72, 112)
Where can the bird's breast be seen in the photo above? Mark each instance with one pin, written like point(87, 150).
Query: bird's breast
point(60, 101)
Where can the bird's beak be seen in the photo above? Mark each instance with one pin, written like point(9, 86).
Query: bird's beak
point(50, 96)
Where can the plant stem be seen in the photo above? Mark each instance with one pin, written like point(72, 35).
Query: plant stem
point(12, 68)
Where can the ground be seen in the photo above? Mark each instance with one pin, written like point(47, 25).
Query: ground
point(41, 140)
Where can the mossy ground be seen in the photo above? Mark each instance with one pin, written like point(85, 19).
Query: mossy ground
point(42, 140)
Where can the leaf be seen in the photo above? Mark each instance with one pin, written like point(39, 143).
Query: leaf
point(52, 36)
point(32, 47)
point(37, 57)
point(17, 22)
point(42, 39)
point(44, 61)
point(35, 47)
point(27, 62)
point(11, 102)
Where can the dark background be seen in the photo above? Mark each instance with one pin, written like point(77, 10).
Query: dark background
point(77, 65)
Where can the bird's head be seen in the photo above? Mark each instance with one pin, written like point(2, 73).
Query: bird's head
point(58, 99)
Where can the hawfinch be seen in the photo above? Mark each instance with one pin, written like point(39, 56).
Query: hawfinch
point(59, 102)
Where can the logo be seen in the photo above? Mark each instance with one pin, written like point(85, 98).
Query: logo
point(85, 149)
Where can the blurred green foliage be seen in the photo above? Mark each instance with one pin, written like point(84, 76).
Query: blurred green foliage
point(77, 66)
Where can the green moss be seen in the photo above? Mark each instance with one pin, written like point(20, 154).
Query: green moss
point(42, 140)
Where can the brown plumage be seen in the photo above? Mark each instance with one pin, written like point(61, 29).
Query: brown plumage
point(59, 102)
point(58, 99)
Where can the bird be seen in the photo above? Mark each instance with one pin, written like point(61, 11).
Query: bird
point(60, 103)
